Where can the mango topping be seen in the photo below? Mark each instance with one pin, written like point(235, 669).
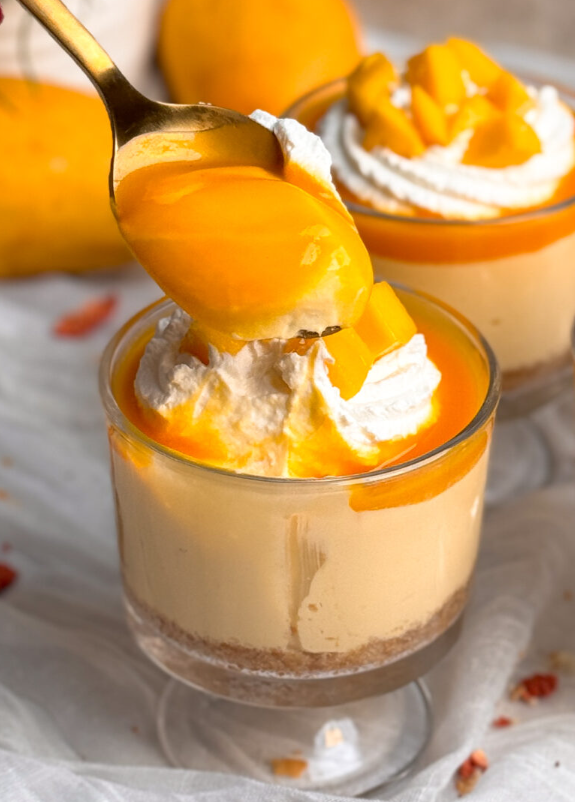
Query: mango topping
point(386, 324)
point(482, 70)
point(390, 127)
point(502, 142)
point(429, 117)
point(509, 94)
point(438, 71)
point(472, 112)
point(352, 362)
point(368, 84)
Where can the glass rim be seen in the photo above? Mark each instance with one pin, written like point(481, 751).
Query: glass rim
point(121, 421)
point(509, 219)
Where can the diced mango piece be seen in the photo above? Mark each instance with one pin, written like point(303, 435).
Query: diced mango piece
point(438, 71)
point(509, 94)
point(502, 142)
point(429, 117)
point(386, 324)
point(472, 112)
point(482, 70)
point(352, 361)
point(390, 127)
point(368, 83)
point(199, 338)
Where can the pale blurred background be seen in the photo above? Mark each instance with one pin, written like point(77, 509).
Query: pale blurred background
point(543, 24)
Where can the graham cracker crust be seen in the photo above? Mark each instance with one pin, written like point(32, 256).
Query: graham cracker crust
point(289, 663)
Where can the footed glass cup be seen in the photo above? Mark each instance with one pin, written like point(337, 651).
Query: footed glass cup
point(296, 614)
point(513, 277)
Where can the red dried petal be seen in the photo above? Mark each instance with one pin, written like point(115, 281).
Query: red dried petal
point(87, 318)
point(476, 760)
point(7, 576)
point(503, 721)
point(540, 685)
point(1, 15)
point(466, 769)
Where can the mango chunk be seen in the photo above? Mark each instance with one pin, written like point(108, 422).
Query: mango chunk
point(472, 112)
point(368, 83)
point(482, 70)
point(390, 127)
point(386, 324)
point(199, 338)
point(429, 117)
point(502, 142)
point(509, 94)
point(438, 71)
point(352, 362)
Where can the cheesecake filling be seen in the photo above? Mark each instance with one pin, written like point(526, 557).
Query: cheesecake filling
point(265, 402)
point(437, 181)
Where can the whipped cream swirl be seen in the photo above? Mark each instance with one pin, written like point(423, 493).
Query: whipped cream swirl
point(437, 181)
point(263, 401)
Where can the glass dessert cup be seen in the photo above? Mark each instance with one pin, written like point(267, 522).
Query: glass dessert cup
point(315, 603)
point(513, 277)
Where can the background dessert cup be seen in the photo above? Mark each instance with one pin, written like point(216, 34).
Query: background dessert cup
point(512, 276)
point(298, 592)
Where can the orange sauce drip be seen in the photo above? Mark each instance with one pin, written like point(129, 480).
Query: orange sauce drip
point(457, 400)
point(413, 239)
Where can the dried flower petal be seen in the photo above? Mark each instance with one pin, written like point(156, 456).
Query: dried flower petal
point(465, 785)
point(535, 687)
point(88, 317)
point(503, 721)
point(7, 576)
point(470, 771)
point(292, 767)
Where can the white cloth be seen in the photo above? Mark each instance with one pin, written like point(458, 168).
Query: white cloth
point(77, 699)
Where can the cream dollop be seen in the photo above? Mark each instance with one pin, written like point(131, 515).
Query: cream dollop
point(263, 401)
point(437, 181)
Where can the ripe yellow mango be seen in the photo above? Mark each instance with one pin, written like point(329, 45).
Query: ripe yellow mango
point(429, 117)
point(390, 127)
point(502, 142)
point(369, 82)
point(482, 70)
point(438, 71)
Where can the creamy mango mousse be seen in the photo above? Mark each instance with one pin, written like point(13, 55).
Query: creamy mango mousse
point(298, 455)
point(461, 181)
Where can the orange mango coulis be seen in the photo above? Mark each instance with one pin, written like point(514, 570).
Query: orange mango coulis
point(457, 399)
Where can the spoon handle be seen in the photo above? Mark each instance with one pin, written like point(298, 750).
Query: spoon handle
point(115, 90)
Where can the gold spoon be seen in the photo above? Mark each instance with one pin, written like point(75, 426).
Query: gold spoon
point(223, 135)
